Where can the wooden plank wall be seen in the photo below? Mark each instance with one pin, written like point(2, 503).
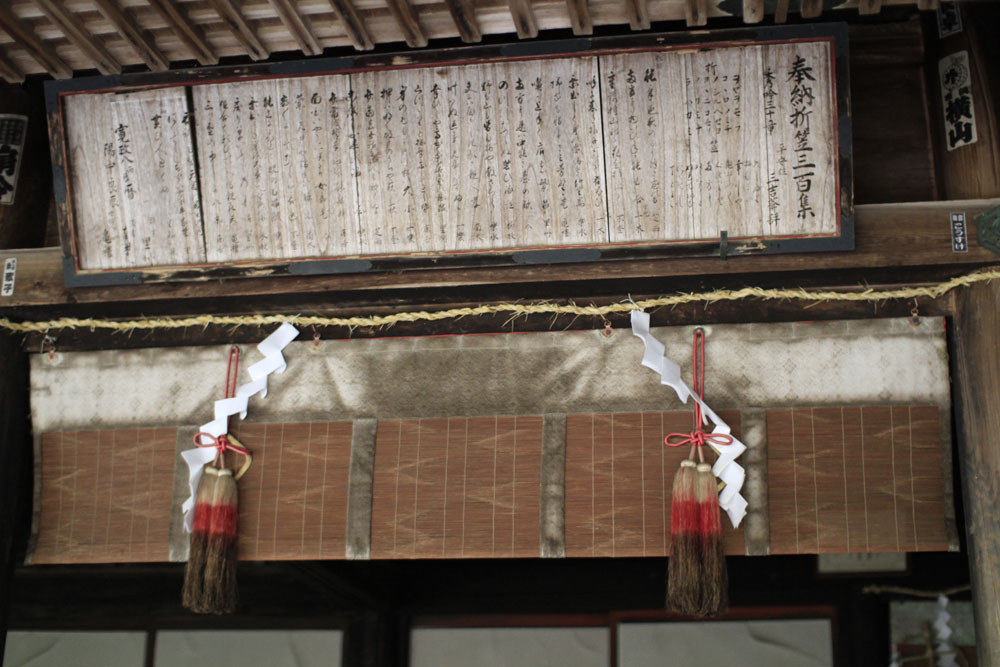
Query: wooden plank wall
point(470, 487)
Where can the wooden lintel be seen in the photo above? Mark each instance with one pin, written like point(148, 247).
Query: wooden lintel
point(869, 6)
point(244, 34)
point(811, 8)
point(579, 17)
point(130, 31)
point(297, 26)
point(185, 31)
point(893, 236)
point(524, 17)
point(977, 370)
point(72, 27)
point(8, 72)
point(29, 41)
point(696, 12)
point(753, 11)
point(638, 14)
point(354, 26)
point(464, 17)
point(406, 20)
point(781, 11)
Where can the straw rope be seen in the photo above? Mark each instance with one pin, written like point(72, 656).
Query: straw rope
point(512, 309)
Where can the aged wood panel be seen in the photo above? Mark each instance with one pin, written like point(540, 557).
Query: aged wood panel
point(133, 183)
point(276, 160)
point(480, 156)
point(855, 480)
point(457, 488)
point(619, 478)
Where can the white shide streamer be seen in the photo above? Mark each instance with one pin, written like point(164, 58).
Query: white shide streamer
point(726, 468)
point(273, 362)
point(942, 634)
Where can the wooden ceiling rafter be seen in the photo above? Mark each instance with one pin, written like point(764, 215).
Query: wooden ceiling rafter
point(781, 11)
point(25, 37)
point(696, 12)
point(753, 11)
point(638, 14)
point(186, 31)
point(74, 31)
point(244, 34)
point(297, 26)
point(408, 22)
point(811, 9)
point(524, 18)
point(464, 17)
point(9, 73)
point(353, 24)
point(579, 17)
point(136, 37)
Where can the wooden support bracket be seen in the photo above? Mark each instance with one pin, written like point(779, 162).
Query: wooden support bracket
point(244, 34)
point(72, 28)
point(130, 31)
point(297, 27)
point(408, 24)
point(29, 41)
point(186, 31)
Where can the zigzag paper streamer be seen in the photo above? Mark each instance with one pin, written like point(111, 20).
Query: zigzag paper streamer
point(726, 468)
point(942, 633)
point(273, 362)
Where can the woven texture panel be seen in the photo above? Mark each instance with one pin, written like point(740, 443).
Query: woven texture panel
point(457, 488)
point(105, 496)
point(618, 483)
point(855, 480)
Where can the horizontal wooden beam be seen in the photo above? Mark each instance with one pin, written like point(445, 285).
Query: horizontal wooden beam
point(136, 37)
point(890, 236)
point(26, 38)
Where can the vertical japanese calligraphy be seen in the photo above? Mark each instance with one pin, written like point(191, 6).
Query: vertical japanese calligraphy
point(13, 130)
point(956, 99)
point(133, 182)
point(640, 147)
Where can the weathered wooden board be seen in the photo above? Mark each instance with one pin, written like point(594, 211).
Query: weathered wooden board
point(133, 183)
point(276, 161)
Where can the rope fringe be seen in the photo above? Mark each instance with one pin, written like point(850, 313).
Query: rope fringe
point(514, 309)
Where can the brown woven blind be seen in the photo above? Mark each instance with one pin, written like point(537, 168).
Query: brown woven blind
point(855, 480)
point(457, 488)
point(618, 483)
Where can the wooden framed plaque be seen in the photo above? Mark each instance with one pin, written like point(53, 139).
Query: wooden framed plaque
point(717, 143)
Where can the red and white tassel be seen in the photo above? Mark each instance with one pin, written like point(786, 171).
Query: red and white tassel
point(210, 575)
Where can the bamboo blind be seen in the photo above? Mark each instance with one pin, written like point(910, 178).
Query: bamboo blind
point(457, 488)
point(855, 479)
point(839, 480)
point(618, 483)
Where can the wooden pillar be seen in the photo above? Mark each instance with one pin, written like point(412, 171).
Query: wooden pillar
point(977, 364)
point(15, 467)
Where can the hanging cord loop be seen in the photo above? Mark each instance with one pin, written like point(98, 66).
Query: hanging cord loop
point(697, 438)
point(225, 441)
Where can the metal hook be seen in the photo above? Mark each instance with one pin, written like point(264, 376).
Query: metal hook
point(608, 330)
point(317, 342)
point(48, 348)
point(915, 319)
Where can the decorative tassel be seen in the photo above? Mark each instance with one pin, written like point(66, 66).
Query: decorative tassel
point(683, 592)
point(210, 575)
point(714, 581)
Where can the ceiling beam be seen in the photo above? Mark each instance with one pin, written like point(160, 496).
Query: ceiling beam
point(781, 11)
point(465, 20)
point(354, 26)
point(696, 12)
point(72, 27)
point(185, 31)
point(753, 11)
point(579, 17)
point(297, 27)
point(26, 38)
point(811, 8)
point(9, 73)
point(524, 18)
point(129, 30)
point(408, 24)
point(638, 14)
point(244, 34)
